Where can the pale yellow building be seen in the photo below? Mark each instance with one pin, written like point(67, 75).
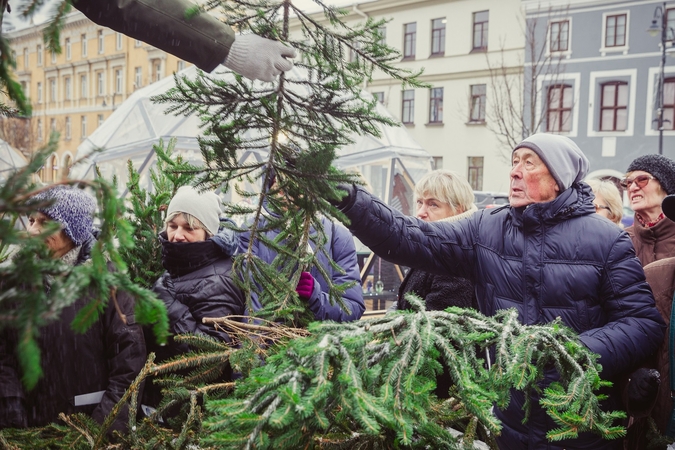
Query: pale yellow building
point(75, 91)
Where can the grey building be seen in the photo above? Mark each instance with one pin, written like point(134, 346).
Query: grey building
point(592, 73)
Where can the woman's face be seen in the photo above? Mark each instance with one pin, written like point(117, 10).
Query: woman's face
point(430, 209)
point(178, 230)
point(59, 243)
point(646, 199)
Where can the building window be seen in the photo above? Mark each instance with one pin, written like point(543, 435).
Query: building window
point(669, 104)
point(68, 128)
point(559, 109)
point(53, 58)
point(480, 30)
point(100, 86)
point(138, 77)
point(475, 174)
point(138, 43)
point(353, 52)
point(68, 49)
point(477, 103)
point(24, 88)
point(438, 36)
point(670, 20)
point(408, 106)
point(40, 131)
point(100, 41)
point(118, 41)
point(67, 86)
point(379, 96)
point(437, 162)
point(39, 55)
point(52, 125)
point(83, 127)
point(83, 39)
point(25, 59)
point(436, 105)
point(52, 90)
point(382, 34)
point(410, 36)
point(100, 120)
point(39, 92)
point(614, 106)
point(615, 31)
point(118, 81)
point(560, 33)
point(158, 71)
point(181, 65)
point(83, 86)
point(55, 168)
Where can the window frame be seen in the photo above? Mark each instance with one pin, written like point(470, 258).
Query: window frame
point(68, 131)
point(69, 49)
point(408, 107)
point(67, 88)
point(473, 99)
point(475, 173)
point(483, 28)
point(606, 30)
point(561, 109)
point(436, 105)
point(438, 36)
point(84, 44)
point(557, 48)
point(614, 107)
point(669, 126)
point(83, 127)
point(84, 88)
point(409, 40)
point(101, 42)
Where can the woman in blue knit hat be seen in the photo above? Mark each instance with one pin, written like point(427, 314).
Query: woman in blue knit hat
point(82, 372)
point(648, 180)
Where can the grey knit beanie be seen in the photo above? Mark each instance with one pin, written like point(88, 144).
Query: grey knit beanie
point(205, 206)
point(73, 208)
point(563, 158)
point(660, 167)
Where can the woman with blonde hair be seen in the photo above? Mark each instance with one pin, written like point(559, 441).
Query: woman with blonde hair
point(607, 200)
point(441, 195)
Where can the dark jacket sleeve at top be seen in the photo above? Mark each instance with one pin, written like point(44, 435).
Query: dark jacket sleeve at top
point(202, 40)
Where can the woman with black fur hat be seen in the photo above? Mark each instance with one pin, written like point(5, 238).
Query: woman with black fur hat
point(648, 180)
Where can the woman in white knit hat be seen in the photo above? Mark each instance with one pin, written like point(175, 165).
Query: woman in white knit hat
point(197, 255)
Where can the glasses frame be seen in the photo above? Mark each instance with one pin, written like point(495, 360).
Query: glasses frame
point(599, 207)
point(640, 181)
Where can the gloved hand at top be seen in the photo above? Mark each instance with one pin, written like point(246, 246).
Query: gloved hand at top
point(258, 58)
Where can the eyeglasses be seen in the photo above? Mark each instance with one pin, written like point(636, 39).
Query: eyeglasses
point(640, 181)
point(599, 207)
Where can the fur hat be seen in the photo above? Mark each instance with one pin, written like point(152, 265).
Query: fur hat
point(660, 167)
point(73, 208)
point(563, 158)
point(205, 206)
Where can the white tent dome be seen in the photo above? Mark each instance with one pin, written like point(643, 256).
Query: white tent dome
point(10, 160)
point(391, 164)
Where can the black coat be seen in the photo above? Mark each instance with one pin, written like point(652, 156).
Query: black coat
point(105, 359)
point(437, 291)
point(197, 284)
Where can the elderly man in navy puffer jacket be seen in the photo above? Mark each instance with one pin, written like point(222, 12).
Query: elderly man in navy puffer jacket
point(547, 254)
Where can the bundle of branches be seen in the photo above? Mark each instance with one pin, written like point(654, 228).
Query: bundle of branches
point(24, 303)
point(369, 384)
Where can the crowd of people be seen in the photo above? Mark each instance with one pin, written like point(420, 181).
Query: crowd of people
point(556, 251)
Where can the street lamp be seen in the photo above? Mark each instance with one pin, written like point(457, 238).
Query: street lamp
point(660, 25)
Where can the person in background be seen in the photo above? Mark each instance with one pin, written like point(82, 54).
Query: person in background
point(549, 256)
point(441, 195)
point(648, 180)
point(661, 277)
point(201, 39)
point(197, 255)
point(607, 200)
point(312, 287)
point(82, 372)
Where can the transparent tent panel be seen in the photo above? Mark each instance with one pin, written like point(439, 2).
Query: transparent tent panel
point(10, 160)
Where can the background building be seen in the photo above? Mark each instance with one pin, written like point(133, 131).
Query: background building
point(75, 91)
point(606, 95)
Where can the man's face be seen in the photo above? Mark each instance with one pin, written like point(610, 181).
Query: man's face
point(531, 182)
point(59, 243)
point(178, 230)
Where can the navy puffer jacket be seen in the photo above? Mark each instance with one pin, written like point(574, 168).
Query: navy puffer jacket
point(547, 260)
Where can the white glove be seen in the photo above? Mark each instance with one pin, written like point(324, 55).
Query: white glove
point(258, 58)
